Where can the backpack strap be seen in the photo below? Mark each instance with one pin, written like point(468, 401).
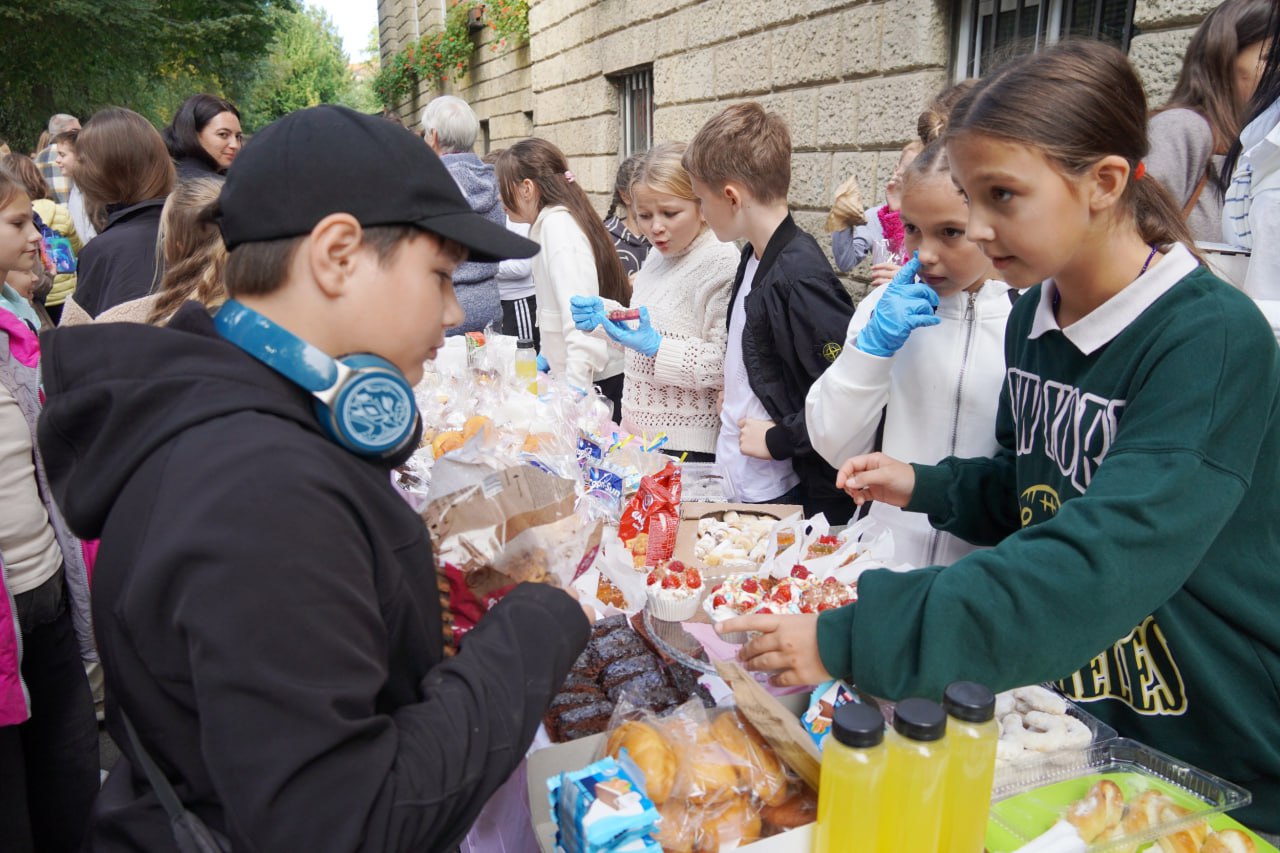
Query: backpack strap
point(159, 783)
point(1195, 195)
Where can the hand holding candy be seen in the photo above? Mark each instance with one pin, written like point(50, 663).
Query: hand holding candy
point(905, 306)
point(643, 339)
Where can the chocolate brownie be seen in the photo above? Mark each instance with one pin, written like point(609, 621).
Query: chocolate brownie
point(626, 669)
point(585, 720)
point(645, 690)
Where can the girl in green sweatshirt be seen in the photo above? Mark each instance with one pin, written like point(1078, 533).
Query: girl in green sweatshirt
point(1134, 498)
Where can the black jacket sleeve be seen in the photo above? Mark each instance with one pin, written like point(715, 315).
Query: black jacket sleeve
point(816, 316)
point(289, 654)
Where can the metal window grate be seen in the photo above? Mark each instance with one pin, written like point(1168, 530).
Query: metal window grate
point(990, 29)
point(635, 107)
point(1108, 20)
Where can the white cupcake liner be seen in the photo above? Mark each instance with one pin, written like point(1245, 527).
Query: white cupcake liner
point(673, 609)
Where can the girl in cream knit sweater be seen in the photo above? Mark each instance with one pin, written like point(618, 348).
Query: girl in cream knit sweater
point(675, 358)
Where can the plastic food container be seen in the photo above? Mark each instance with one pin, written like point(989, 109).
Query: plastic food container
point(1100, 731)
point(1029, 799)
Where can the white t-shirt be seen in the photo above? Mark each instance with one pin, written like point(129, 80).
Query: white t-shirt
point(754, 480)
point(515, 276)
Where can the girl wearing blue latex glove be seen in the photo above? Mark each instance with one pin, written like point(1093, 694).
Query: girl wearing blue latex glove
point(588, 312)
point(675, 354)
point(906, 305)
point(644, 339)
point(937, 395)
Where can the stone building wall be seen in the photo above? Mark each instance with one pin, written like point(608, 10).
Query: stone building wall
point(1165, 27)
point(849, 76)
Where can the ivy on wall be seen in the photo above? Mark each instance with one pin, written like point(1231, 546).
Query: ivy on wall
point(446, 53)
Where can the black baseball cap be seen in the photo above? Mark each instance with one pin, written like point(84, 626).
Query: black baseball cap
point(330, 159)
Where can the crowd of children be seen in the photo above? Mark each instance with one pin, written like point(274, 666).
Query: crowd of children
point(1070, 425)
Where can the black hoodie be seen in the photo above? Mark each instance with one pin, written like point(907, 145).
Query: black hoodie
point(267, 610)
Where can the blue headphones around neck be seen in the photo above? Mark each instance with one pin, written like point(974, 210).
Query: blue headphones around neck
point(362, 401)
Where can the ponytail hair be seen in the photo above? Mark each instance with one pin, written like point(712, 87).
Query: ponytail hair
point(623, 180)
point(932, 123)
point(541, 162)
point(1077, 102)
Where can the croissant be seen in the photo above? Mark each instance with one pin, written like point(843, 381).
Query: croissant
point(1101, 809)
point(737, 822)
point(1229, 841)
point(758, 766)
point(651, 753)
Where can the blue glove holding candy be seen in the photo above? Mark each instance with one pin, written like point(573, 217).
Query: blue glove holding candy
point(588, 312)
point(643, 339)
point(906, 305)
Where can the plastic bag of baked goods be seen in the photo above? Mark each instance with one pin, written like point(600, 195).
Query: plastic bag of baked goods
point(711, 777)
point(652, 516)
point(498, 529)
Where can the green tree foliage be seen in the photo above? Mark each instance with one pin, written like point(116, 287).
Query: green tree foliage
point(75, 56)
point(306, 66)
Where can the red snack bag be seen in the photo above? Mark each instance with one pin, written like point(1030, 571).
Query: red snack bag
point(623, 314)
point(655, 511)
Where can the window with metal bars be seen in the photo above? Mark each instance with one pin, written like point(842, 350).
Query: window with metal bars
point(635, 110)
point(990, 29)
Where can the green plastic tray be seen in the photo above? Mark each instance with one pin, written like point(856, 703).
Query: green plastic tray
point(1027, 804)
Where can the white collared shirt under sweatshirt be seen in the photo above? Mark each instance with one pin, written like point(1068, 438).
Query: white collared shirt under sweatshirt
point(938, 395)
point(563, 269)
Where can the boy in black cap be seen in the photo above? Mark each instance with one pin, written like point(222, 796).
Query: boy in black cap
point(266, 604)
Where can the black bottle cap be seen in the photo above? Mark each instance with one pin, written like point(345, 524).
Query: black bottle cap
point(524, 343)
point(857, 725)
point(920, 719)
point(969, 701)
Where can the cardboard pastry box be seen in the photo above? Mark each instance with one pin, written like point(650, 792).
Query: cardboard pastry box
point(777, 719)
point(687, 532)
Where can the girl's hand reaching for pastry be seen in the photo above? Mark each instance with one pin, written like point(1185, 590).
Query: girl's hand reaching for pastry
point(787, 647)
point(876, 477)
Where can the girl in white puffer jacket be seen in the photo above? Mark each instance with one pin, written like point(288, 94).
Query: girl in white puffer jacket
point(923, 362)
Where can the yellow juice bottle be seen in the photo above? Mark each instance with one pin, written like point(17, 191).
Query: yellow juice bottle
point(972, 733)
point(915, 781)
point(527, 365)
point(849, 792)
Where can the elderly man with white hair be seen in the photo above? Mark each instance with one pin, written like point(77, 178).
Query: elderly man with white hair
point(450, 127)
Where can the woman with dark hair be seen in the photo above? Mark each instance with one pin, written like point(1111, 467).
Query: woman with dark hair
point(1193, 130)
point(204, 136)
point(123, 167)
point(1251, 183)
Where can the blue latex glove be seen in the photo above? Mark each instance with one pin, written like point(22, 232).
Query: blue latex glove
point(906, 305)
point(643, 339)
point(588, 312)
point(544, 366)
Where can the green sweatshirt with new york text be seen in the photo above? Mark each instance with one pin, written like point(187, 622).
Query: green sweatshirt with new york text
point(1134, 506)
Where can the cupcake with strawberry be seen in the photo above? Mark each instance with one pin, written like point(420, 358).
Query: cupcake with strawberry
point(674, 591)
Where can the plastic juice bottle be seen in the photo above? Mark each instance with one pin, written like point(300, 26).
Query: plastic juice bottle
point(527, 365)
point(849, 792)
point(911, 811)
point(972, 733)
